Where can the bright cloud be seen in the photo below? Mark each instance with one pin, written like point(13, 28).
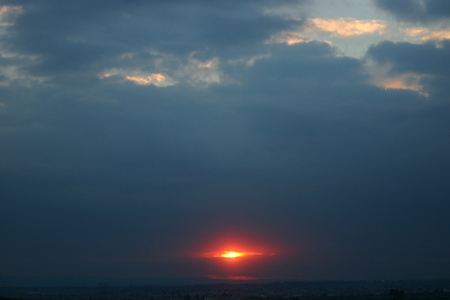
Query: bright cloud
point(288, 37)
point(406, 81)
point(249, 61)
point(426, 34)
point(7, 17)
point(347, 27)
point(139, 77)
point(155, 79)
point(9, 11)
point(167, 70)
point(11, 72)
point(201, 73)
point(329, 28)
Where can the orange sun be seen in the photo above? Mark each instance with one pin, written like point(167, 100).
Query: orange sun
point(232, 254)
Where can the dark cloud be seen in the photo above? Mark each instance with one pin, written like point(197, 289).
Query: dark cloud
point(416, 10)
point(427, 59)
point(81, 36)
point(405, 57)
point(297, 153)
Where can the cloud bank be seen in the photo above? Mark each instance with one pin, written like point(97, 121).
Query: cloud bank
point(136, 133)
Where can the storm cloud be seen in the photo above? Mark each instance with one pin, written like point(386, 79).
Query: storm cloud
point(417, 10)
point(136, 134)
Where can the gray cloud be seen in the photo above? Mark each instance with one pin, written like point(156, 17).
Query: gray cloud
point(406, 57)
point(297, 151)
point(416, 10)
point(82, 37)
point(427, 59)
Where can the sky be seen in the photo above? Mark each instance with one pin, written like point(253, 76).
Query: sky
point(147, 138)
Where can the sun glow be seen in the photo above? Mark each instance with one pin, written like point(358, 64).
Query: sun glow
point(232, 277)
point(232, 254)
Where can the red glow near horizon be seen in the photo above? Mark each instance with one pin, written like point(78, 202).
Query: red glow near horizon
point(236, 277)
point(238, 256)
point(233, 254)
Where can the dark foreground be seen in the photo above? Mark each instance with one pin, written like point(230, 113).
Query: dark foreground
point(297, 290)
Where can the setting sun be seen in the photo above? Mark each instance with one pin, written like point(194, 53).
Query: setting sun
point(232, 254)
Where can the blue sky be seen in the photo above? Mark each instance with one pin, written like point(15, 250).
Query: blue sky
point(139, 136)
